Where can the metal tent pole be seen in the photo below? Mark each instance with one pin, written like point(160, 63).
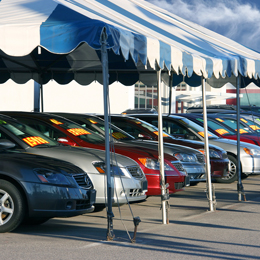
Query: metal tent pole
point(240, 188)
point(164, 195)
point(37, 90)
point(110, 215)
point(206, 145)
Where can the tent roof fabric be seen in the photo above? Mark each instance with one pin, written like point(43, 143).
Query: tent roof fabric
point(60, 39)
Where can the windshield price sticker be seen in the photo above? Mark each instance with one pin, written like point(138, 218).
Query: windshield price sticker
point(220, 120)
point(92, 121)
point(118, 135)
point(221, 131)
point(243, 120)
point(164, 135)
point(35, 140)
point(78, 131)
point(56, 122)
point(202, 134)
point(242, 131)
point(254, 127)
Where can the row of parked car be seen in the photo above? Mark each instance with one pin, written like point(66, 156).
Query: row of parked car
point(53, 164)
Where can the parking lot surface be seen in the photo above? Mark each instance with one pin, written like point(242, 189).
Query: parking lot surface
point(230, 232)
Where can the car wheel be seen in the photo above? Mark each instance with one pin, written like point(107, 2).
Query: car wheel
point(232, 173)
point(12, 207)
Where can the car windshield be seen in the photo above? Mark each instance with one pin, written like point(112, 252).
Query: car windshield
point(27, 134)
point(98, 126)
point(149, 128)
point(217, 127)
point(195, 127)
point(77, 130)
point(232, 123)
point(253, 125)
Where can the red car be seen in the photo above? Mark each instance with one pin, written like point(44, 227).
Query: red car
point(141, 129)
point(70, 133)
point(221, 125)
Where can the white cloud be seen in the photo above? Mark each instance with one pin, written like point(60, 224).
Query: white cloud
point(231, 18)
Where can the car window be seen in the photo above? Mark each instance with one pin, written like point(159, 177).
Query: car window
point(129, 127)
point(44, 128)
point(232, 123)
point(27, 134)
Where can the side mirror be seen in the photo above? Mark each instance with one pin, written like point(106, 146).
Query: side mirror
point(6, 144)
point(144, 137)
point(66, 141)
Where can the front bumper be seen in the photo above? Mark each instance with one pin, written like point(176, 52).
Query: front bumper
point(219, 168)
point(250, 164)
point(51, 201)
point(124, 189)
point(176, 183)
point(196, 172)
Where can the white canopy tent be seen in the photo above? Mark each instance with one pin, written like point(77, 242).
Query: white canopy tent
point(116, 40)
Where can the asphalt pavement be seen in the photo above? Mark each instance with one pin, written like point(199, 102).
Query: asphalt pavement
point(232, 231)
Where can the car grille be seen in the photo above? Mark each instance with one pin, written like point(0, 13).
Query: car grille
point(135, 192)
point(83, 180)
point(178, 166)
point(136, 172)
point(82, 204)
point(179, 185)
point(200, 158)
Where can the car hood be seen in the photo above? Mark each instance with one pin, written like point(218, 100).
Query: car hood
point(231, 145)
point(168, 147)
point(32, 161)
point(82, 157)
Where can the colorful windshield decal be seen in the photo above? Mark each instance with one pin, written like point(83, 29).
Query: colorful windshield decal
point(219, 119)
point(200, 119)
point(242, 131)
point(137, 122)
point(202, 134)
point(243, 120)
point(56, 122)
point(164, 135)
point(254, 127)
point(258, 119)
point(2, 122)
point(118, 135)
point(35, 140)
point(92, 121)
point(221, 131)
point(78, 131)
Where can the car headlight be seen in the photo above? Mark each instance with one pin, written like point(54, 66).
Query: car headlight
point(212, 153)
point(49, 176)
point(154, 164)
point(184, 157)
point(114, 169)
point(252, 151)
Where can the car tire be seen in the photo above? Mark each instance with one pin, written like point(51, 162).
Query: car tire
point(12, 207)
point(232, 173)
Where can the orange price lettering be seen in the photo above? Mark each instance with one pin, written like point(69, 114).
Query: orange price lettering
point(56, 122)
point(35, 140)
point(221, 131)
point(118, 135)
point(78, 131)
point(254, 127)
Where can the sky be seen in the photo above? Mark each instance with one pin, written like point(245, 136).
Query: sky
point(238, 20)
